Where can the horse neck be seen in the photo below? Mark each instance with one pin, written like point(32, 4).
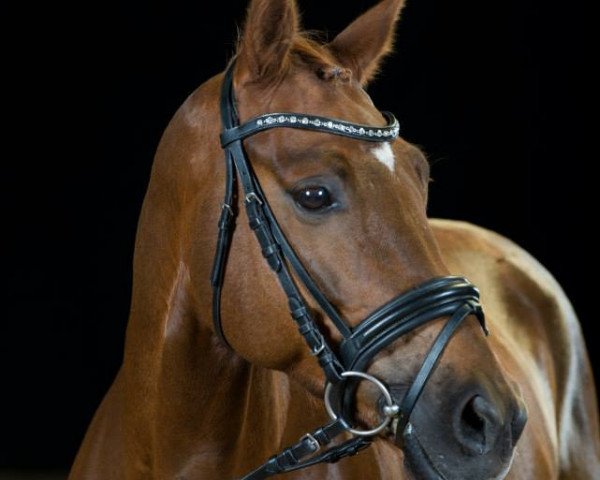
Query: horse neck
point(186, 395)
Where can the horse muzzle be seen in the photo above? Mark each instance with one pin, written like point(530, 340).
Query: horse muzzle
point(474, 439)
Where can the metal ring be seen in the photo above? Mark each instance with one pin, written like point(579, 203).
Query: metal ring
point(386, 394)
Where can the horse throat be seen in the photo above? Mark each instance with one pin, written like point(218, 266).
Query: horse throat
point(194, 406)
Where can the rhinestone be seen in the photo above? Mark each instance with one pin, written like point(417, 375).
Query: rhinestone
point(371, 133)
point(391, 410)
point(379, 133)
point(270, 120)
point(259, 123)
point(293, 119)
point(317, 122)
point(304, 121)
point(329, 124)
point(387, 133)
point(361, 131)
point(281, 119)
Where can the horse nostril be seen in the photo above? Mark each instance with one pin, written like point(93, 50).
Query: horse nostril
point(478, 425)
point(518, 423)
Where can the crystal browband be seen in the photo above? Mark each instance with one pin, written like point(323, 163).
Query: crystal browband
point(316, 123)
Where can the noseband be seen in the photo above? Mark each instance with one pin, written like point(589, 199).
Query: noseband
point(344, 366)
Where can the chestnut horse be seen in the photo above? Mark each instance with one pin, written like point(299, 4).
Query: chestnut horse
point(189, 404)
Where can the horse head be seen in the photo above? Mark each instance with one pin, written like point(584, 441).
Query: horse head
point(354, 213)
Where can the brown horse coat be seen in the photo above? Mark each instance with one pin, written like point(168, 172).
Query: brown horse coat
point(185, 407)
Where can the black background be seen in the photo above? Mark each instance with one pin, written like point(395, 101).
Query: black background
point(494, 92)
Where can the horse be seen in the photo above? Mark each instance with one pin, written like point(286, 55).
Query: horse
point(397, 382)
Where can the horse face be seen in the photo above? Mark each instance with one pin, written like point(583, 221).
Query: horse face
point(356, 215)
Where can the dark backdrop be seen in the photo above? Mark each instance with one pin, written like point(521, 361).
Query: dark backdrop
point(494, 92)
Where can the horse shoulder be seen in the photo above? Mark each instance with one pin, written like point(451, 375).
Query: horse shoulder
point(534, 323)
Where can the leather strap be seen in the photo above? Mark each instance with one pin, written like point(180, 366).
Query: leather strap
point(302, 273)
point(431, 360)
point(226, 227)
point(226, 223)
point(295, 457)
point(434, 299)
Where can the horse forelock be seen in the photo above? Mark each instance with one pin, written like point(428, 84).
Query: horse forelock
point(307, 50)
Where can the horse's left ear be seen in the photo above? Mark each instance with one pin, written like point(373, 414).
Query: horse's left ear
point(364, 43)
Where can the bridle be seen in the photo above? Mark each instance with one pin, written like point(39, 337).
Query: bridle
point(346, 365)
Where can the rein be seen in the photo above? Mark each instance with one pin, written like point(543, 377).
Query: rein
point(345, 365)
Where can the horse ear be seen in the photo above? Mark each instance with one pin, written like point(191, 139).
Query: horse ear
point(271, 25)
point(364, 43)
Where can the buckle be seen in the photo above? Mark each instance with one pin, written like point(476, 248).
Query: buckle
point(253, 196)
point(228, 208)
point(317, 351)
point(313, 441)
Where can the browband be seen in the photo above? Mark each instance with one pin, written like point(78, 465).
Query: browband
point(314, 123)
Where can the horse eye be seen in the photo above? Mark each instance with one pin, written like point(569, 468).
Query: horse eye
point(313, 198)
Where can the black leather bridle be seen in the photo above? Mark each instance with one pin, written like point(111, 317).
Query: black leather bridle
point(346, 365)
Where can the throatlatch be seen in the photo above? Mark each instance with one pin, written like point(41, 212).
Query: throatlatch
point(345, 366)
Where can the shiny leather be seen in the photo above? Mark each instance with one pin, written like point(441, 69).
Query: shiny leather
point(315, 123)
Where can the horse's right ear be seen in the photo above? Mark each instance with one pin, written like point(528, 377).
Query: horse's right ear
point(264, 49)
